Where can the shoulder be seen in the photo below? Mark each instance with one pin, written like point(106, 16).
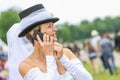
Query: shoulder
point(68, 53)
point(24, 67)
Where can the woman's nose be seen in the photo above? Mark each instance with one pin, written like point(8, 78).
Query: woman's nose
point(54, 29)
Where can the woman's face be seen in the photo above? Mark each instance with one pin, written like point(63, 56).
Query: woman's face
point(49, 29)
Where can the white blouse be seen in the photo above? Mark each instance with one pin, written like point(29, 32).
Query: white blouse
point(52, 73)
point(76, 68)
point(36, 74)
point(75, 71)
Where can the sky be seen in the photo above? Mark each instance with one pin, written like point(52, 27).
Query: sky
point(72, 11)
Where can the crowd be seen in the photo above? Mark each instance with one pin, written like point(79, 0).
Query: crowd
point(99, 51)
point(3, 68)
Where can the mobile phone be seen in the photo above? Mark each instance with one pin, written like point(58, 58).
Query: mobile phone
point(39, 33)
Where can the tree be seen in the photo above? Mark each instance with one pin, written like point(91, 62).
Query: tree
point(7, 19)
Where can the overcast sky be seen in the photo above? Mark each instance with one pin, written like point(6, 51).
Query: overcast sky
point(72, 11)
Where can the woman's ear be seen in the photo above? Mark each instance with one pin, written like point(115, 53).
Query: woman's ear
point(31, 32)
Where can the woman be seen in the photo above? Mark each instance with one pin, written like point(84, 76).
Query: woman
point(49, 60)
point(92, 56)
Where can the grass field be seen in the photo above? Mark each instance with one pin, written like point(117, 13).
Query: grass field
point(102, 75)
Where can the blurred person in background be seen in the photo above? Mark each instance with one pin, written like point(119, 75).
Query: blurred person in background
point(83, 54)
point(92, 56)
point(76, 48)
point(117, 40)
point(106, 48)
point(3, 58)
point(3, 70)
point(111, 55)
point(68, 45)
point(95, 40)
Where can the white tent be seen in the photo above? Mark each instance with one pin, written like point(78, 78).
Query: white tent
point(4, 46)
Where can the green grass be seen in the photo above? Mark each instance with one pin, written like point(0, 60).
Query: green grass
point(102, 75)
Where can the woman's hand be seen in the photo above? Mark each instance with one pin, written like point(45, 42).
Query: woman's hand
point(47, 44)
point(58, 50)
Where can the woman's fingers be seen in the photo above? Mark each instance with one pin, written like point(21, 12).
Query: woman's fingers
point(47, 38)
point(51, 39)
point(44, 38)
point(39, 40)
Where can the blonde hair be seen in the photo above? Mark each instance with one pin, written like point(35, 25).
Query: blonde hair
point(89, 45)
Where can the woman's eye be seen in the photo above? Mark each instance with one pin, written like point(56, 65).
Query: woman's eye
point(49, 26)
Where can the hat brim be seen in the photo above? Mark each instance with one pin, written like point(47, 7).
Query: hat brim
point(30, 27)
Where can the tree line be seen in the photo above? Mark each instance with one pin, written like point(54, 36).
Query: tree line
point(66, 31)
point(70, 32)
